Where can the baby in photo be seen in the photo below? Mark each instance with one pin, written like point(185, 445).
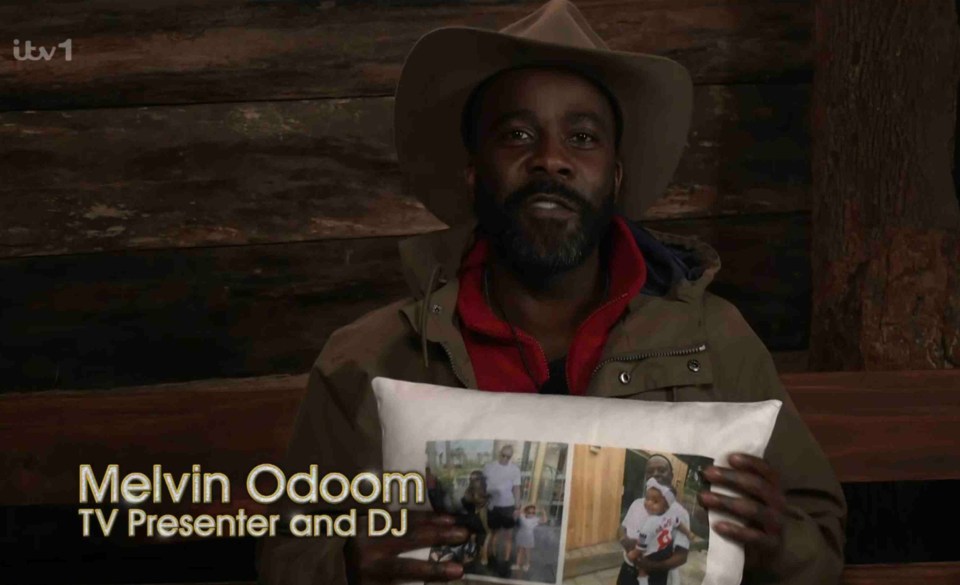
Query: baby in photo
point(657, 532)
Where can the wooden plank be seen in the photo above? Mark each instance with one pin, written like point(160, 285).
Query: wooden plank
point(47, 435)
point(927, 573)
point(884, 426)
point(209, 50)
point(223, 425)
point(163, 177)
point(124, 319)
point(131, 318)
point(594, 506)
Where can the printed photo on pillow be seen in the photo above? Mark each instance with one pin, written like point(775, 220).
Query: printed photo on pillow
point(510, 495)
point(631, 510)
point(611, 449)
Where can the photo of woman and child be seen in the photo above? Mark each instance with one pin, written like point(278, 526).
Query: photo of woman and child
point(509, 494)
point(659, 537)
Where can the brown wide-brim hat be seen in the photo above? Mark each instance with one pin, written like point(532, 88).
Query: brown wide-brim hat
point(655, 95)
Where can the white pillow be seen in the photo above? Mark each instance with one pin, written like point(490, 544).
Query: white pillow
point(413, 414)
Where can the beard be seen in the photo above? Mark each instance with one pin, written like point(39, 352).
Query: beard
point(537, 249)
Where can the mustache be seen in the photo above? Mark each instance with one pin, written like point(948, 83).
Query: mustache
point(570, 196)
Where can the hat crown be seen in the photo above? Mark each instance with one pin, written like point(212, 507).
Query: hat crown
point(558, 22)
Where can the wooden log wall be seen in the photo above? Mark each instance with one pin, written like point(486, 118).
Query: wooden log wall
point(208, 189)
point(887, 244)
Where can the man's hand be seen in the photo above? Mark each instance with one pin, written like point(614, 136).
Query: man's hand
point(374, 560)
point(646, 564)
point(761, 510)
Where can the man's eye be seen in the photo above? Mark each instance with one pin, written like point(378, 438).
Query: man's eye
point(584, 138)
point(517, 134)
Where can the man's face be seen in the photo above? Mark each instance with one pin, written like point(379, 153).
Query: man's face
point(659, 468)
point(545, 172)
point(506, 454)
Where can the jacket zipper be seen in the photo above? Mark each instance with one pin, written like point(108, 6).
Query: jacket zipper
point(453, 364)
point(650, 354)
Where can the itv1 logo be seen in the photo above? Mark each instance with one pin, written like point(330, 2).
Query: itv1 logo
point(26, 52)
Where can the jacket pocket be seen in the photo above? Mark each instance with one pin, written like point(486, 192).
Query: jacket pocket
point(660, 376)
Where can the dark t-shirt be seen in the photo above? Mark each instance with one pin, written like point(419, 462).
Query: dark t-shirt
point(557, 383)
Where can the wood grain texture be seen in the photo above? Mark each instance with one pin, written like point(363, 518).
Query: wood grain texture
point(232, 425)
point(172, 177)
point(172, 51)
point(131, 318)
point(594, 506)
point(887, 241)
point(932, 573)
point(161, 316)
point(223, 425)
point(883, 426)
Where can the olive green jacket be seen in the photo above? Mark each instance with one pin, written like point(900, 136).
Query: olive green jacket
point(675, 342)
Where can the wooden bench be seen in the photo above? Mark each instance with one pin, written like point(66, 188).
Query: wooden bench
point(874, 426)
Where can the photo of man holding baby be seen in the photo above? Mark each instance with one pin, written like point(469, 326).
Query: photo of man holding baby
point(635, 518)
point(655, 532)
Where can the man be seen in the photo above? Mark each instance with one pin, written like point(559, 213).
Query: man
point(503, 486)
point(658, 468)
point(539, 145)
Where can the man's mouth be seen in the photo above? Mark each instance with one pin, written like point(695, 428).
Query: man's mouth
point(550, 203)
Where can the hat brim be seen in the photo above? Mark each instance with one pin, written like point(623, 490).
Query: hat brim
point(655, 95)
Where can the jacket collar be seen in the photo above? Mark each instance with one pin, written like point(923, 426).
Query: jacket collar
point(678, 268)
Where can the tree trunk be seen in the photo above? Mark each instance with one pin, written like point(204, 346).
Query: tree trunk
point(886, 219)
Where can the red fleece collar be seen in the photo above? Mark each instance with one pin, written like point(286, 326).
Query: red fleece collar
point(494, 353)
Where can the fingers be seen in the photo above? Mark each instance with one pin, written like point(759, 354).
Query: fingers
point(761, 534)
point(751, 538)
point(423, 530)
point(753, 479)
point(390, 569)
point(751, 512)
point(755, 465)
point(375, 558)
point(416, 518)
point(424, 536)
point(761, 510)
point(435, 536)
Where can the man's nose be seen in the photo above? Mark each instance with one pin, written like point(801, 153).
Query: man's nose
point(550, 157)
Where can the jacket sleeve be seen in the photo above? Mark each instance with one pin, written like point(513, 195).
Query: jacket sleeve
point(813, 534)
point(816, 514)
point(327, 433)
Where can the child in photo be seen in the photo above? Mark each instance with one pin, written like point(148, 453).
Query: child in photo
point(657, 532)
point(525, 535)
